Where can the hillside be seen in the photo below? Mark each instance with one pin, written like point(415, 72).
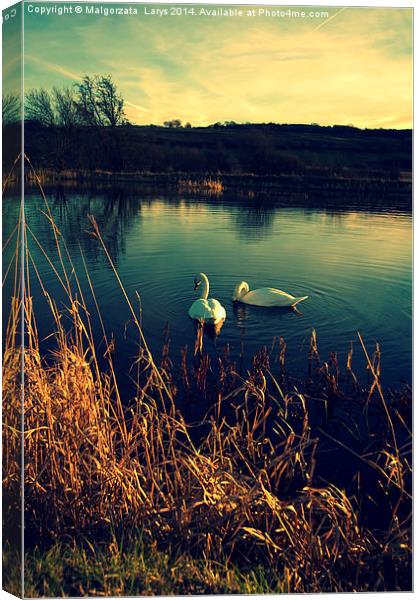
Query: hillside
point(221, 149)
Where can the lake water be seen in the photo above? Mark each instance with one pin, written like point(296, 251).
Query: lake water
point(354, 264)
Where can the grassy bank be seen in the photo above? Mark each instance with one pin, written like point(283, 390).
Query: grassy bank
point(137, 568)
point(279, 485)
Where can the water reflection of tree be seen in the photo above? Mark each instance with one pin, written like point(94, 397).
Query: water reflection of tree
point(115, 210)
point(241, 313)
point(255, 221)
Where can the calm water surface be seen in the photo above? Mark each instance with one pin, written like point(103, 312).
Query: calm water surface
point(355, 265)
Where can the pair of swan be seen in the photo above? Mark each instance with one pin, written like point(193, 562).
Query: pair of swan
point(210, 311)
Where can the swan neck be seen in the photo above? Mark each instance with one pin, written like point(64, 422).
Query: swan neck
point(241, 290)
point(205, 286)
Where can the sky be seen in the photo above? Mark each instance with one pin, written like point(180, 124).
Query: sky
point(353, 66)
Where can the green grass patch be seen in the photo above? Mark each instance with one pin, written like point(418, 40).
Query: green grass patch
point(138, 569)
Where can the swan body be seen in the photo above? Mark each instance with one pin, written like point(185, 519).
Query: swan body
point(206, 310)
point(266, 296)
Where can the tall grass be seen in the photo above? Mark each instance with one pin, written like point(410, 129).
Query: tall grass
point(242, 489)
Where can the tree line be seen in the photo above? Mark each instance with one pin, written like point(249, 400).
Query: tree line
point(93, 101)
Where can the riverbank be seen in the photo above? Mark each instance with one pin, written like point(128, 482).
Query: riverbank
point(300, 157)
point(314, 185)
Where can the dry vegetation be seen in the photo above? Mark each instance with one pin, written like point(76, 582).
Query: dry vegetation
point(235, 503)
point(205, 185)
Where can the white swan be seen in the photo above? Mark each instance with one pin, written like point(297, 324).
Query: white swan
point(264, 296)
point(204, 310)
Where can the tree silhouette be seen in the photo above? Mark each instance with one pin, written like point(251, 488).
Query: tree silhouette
point(110, 102)
point(11, 108)
point(99, 102)
point(65, 105)
point(173, 124)
point(39, 107)
point(87, 101)
point(94, 101)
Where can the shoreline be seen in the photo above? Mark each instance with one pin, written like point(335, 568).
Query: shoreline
point(311, 184)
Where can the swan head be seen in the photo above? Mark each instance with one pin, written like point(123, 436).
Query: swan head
point(240, 290)
point(202, 278)
point(198, 279)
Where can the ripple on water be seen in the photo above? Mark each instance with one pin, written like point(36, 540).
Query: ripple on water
point(355, 267)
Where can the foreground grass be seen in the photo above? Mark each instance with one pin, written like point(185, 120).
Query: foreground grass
point(238, 501)
point(137, 569)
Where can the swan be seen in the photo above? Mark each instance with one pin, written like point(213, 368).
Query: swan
point(264, 296)
point(204, 310)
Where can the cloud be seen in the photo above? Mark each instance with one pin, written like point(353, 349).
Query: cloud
point(354, 67)
point(141, 108)
point(53, 67)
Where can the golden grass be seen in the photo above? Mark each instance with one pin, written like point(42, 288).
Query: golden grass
point(207, 186)
point(245, 490)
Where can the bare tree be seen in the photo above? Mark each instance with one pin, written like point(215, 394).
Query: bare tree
point(66, 107)
point(99, 102)
point(11, 108)
point(87, 101)
point(39, 107)
point(95, 100)
point(110, 102)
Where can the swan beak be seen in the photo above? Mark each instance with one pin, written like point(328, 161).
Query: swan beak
point(197, 284)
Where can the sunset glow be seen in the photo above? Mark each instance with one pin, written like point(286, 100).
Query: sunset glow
point(353, 66)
